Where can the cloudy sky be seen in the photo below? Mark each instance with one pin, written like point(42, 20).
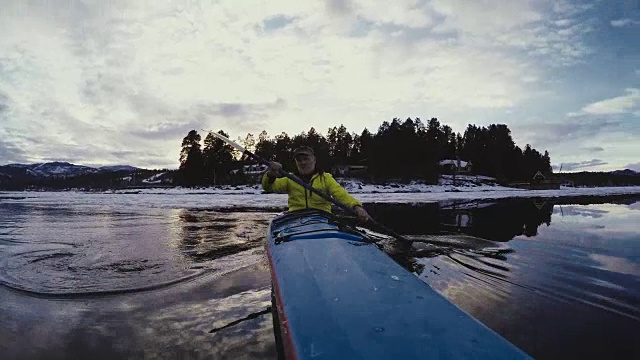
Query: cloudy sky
point(122, 82)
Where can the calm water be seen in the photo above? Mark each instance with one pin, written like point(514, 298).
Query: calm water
point(110, 281)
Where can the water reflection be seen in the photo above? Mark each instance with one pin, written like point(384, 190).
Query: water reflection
point(618, 265)
point(497, 221)
point(501, 221)
point(550, 275)
point(164, 324)
point(210, 234)
point(572, 210)
point(67, 251)
point(110, 283)
point(558, 278)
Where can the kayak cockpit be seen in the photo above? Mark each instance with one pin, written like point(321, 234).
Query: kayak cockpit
point(311, 224)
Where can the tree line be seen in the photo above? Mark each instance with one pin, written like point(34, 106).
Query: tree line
point(601, 178)
point(400, 150)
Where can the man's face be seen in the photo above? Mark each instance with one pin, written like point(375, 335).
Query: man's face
point(306, 164)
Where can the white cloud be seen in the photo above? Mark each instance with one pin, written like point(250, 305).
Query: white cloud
point(634, 167)
point(606, 126)
point(521, 25)
point(617, 105)
point(409, 13)
point(486, 17)
point(562, 22)
point(612, 139)
point(624, 22)
point(94, 80)
point(575, 166)
point(567, 8)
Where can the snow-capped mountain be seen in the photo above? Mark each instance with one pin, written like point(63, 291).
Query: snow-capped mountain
point(56, 168)
point(59, 169)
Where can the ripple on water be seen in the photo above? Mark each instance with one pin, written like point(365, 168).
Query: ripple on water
point(65, 271)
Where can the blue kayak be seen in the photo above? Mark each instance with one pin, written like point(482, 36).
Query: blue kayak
point(336, 295)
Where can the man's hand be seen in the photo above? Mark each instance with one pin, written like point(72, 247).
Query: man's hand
point(362, 214)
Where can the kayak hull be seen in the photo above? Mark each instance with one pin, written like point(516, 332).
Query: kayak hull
point(338, 296)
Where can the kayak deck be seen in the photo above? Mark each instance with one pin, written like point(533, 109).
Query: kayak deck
point(339, 297)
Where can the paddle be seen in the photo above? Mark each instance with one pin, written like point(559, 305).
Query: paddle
point(305, 185)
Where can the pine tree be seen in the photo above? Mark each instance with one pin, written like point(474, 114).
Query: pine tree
point(191, 160)
point(265, 147)
point(218, 159)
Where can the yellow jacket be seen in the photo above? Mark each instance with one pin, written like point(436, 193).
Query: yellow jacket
point(301, 198)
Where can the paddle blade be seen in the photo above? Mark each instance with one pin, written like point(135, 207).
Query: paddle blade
point(228, 141)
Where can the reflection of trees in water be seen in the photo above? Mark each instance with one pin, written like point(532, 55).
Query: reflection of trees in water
point(406, 218)
point(210, 234)
point(505, 220)
point(498, 221)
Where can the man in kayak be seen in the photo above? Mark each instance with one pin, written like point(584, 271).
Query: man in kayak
point(301, 198)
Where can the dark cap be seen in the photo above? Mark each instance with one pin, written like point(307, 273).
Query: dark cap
point(303, 150)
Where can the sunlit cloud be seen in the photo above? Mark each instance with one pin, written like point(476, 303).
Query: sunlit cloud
point(118, 82)
point(628, 103)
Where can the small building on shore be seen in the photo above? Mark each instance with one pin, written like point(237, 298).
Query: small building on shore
point(348, 170)
point(252, 173)
point(455, 166)
point(538, 182)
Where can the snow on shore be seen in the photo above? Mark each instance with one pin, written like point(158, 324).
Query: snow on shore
point(253, 196)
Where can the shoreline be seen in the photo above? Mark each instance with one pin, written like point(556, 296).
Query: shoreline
point(254, 198)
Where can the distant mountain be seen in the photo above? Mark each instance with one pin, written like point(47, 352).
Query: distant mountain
point(626, 177)
point(56, 169)
point(113, 168)
point(63, 175)
point(627, 172)
point(59, 169)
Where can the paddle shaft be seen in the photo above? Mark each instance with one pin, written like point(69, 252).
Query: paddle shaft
point(299, 181)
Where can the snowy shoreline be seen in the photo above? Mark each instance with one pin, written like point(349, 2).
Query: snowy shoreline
point(254, 197)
